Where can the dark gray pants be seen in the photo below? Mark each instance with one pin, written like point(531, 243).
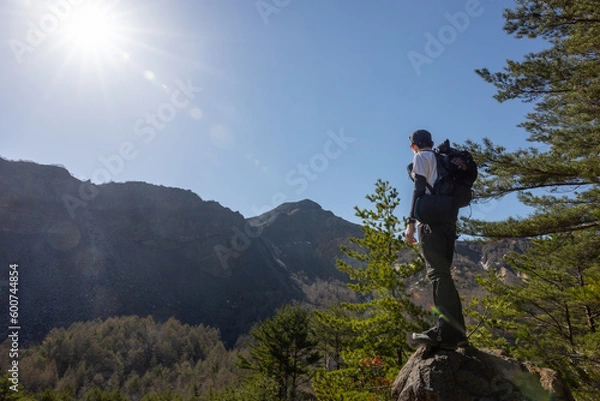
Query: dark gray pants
point(437, 248)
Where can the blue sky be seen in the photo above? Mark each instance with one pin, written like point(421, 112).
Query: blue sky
point(253, 103)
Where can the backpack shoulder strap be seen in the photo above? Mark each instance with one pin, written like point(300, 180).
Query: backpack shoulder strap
point(436, 166)
point(429, 187)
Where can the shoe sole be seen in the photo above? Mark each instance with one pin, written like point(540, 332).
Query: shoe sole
point(416, 342)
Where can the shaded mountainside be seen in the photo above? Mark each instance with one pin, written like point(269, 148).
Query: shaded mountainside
point(95, 251)
point(130, 249)
point(307, 237)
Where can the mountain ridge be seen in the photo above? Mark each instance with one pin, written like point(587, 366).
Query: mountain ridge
point(143, 249)
point(132, 248)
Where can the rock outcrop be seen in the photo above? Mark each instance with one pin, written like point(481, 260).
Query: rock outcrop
point(470, 374)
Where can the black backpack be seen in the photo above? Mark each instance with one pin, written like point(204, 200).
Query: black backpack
point(457, 171)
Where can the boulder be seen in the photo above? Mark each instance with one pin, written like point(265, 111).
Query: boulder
point(471, 374)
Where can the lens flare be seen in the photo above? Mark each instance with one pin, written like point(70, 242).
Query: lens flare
point(91, 28)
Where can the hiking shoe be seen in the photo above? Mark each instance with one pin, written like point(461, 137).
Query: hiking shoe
point(462, 342)
point(433, 338)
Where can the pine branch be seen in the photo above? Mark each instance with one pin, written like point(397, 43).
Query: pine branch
point(499, 193)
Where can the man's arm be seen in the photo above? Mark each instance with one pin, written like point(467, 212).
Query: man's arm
point(419, 190)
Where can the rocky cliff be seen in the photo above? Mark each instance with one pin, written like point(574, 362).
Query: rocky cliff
point(470, 374)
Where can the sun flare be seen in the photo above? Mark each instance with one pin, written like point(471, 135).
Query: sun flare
point(91, 28)
point(99, 41)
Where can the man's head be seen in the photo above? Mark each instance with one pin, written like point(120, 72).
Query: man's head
point(421, 139)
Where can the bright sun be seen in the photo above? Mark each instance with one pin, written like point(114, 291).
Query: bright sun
point(91, 28)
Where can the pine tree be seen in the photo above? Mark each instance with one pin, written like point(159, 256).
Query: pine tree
point(380, 324)
point(389, 313)
point(564, 82)
point(334, 335)
point(284, 349)
point(560, 296)
point(552, 317)
point(256, 388)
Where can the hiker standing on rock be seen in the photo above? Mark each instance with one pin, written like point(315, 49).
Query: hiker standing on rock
point(437, 248)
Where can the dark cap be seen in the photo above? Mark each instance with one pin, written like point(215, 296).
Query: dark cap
point(421, 137)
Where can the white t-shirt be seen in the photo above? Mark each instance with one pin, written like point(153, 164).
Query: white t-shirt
point(425, 164)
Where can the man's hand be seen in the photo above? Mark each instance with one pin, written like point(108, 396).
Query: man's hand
point(410, 234)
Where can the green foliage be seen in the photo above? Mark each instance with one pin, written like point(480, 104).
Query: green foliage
point(52, 395)
point(131, 355)
point(552, 318)
point(367, 380)
point(335, 334)
point(96, 394)
point(367, 341)
point(494, 313)
point(564, 81)
point(389, 312)
point(164, 396)
point(284, 349)
point(255, 388)
point(10, 391)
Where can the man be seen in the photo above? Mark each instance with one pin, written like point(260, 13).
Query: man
point(437, 249)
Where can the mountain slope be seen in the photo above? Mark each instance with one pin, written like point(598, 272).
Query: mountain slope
point(132, 248)
point(307, 238)
point(87, 252)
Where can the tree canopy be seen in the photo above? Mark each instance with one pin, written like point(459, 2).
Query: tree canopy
point(560, 176)
point(284, 349)
point(552, 317)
